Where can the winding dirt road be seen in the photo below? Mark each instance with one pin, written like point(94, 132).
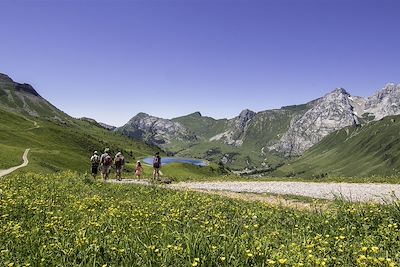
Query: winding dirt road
point(25, 162)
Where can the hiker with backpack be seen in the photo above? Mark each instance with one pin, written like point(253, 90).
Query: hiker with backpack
point(156, 166)
point(95, 160)
point(106, 162)
point(119, 165)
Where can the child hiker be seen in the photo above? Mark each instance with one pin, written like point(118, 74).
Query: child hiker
point(138, 169)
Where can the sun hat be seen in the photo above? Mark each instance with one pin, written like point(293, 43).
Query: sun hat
point(119, 154)
point(95, 152)
point(138, 161)
point(106, 149)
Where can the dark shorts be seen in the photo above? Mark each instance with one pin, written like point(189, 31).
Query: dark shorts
point(95, 169)
point(118, 170)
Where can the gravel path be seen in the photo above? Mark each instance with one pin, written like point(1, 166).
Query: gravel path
point(349, 191)
point(25, 163)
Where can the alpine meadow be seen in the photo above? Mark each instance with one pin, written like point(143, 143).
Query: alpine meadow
point(200, 133)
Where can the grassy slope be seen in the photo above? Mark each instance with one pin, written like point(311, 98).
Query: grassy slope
point(270, 125)
point(15, 104)
point(373, 149)
point(264, 129)
point(56, 147)
point(204, 127)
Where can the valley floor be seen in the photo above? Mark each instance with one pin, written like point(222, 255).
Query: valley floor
point(355, 192)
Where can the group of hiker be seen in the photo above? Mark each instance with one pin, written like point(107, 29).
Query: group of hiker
point(105, 161)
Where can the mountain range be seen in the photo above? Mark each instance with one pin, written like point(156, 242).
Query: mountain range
point(262, 139)
point(287, 142)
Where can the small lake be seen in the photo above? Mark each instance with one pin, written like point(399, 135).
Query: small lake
point(168, 160)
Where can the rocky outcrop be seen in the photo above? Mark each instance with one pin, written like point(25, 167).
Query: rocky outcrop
point(98, 124)
point(106, 126)
point(27, 88)
point(155, 130)
point(5, 78)
point(237, 128)
point(385, 102)
point(332, 112)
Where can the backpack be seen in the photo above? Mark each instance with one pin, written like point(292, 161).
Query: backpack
point(95, 160)
point(156, 162)
point(119, 161)
point(107, 160)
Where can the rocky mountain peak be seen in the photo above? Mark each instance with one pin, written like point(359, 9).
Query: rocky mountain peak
point(244, 118)
point(332, 112)
point(246, 114)
point(154, 130)
point(389, 89)
point(339, 91)
point(27, 88)
point(5, 78)
point(237, 128)
point(142, 114)
point(23, 98)
point(339, 94)
point(385, 102)
point(195, 114)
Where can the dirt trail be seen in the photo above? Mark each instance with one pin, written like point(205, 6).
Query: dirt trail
point(25, 163)
point(283, 192)
point(274, 200)
point(354, 192)
point(35, 125)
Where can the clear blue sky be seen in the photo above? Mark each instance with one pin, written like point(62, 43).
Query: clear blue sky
point(110, 60)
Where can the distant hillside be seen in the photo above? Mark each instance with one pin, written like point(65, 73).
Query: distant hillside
point(24, 99)
point(99, 124)
point(203, 127)
point(156, 131)
point(371, 149)
point(58, 146)
point(57, 141)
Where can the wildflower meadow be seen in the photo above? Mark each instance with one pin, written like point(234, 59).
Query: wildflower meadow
point(68, 220)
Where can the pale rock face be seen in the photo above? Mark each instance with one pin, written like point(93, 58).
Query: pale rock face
point(332, 112)
point(155, 130)
point(237, 128)
point(358, 104)
point(385, 102)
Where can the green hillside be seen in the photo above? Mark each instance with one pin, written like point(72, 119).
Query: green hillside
point(59, 146)
point(23, 99)
point(264, 129)
point(268, 126)
point(372, 149)
point(202, 126)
